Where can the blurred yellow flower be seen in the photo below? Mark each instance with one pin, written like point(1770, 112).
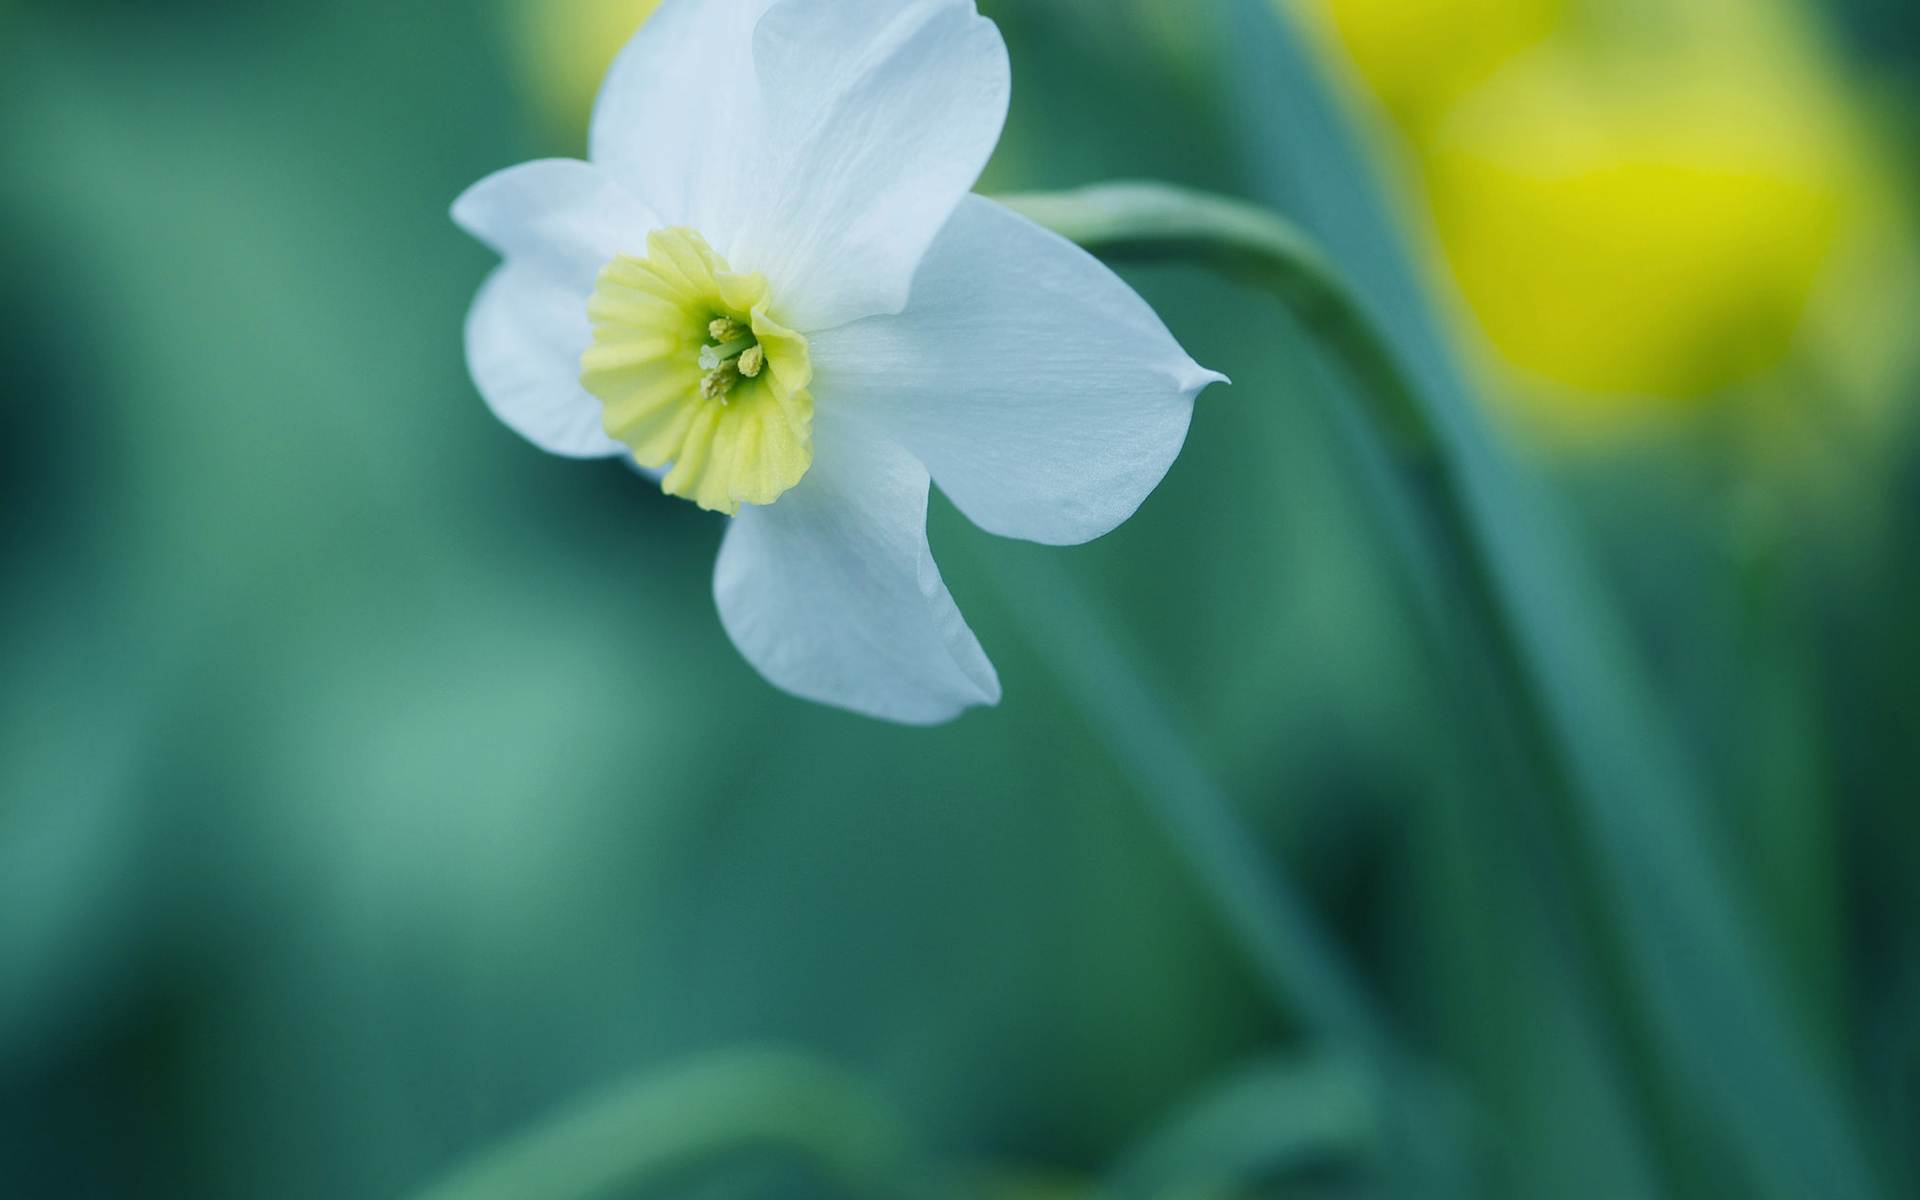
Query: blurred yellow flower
point(1420, 55)
point(1647, 235)
point(1642, 211)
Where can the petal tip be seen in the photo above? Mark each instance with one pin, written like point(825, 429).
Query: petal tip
point(461, 211)
point(986, 697)
point(985, 679)
point(1200, 378)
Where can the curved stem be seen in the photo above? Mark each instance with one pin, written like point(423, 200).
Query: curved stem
point(1251, 245)
point(1300, 966)
point(1409, 483)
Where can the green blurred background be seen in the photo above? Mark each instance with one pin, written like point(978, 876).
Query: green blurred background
point(372, 785)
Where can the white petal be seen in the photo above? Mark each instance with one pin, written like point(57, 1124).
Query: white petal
point(678, 118)
point(525, 335)
point(1044, 395)
point(561, 216)
point(879, 115)
point(832, 592)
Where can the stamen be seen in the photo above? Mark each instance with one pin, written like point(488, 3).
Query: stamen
point(720, 380)
point(752, 359)
point(712, 356)
point(726, 329)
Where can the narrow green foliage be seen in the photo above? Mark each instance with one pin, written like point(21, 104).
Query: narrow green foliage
point(1266, 1119)
point(692, 1115)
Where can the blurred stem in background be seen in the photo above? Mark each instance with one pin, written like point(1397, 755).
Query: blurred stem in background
point(689, 1121)
point(1298, 963)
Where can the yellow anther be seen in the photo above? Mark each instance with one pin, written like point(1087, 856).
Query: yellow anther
point(726, 329)
point(751, 360)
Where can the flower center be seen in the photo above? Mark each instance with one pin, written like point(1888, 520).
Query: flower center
point(691, 370)
point(734, 355)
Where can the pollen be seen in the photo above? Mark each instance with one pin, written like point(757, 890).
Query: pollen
point(694, 373)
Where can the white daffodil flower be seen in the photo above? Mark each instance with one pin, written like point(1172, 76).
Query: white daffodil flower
point(771, 281)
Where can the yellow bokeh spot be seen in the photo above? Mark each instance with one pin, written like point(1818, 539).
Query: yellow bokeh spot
point(1640, 209)
point(566, 46)
point(693, 370)
point(1418, 56)
point(1645, 237)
